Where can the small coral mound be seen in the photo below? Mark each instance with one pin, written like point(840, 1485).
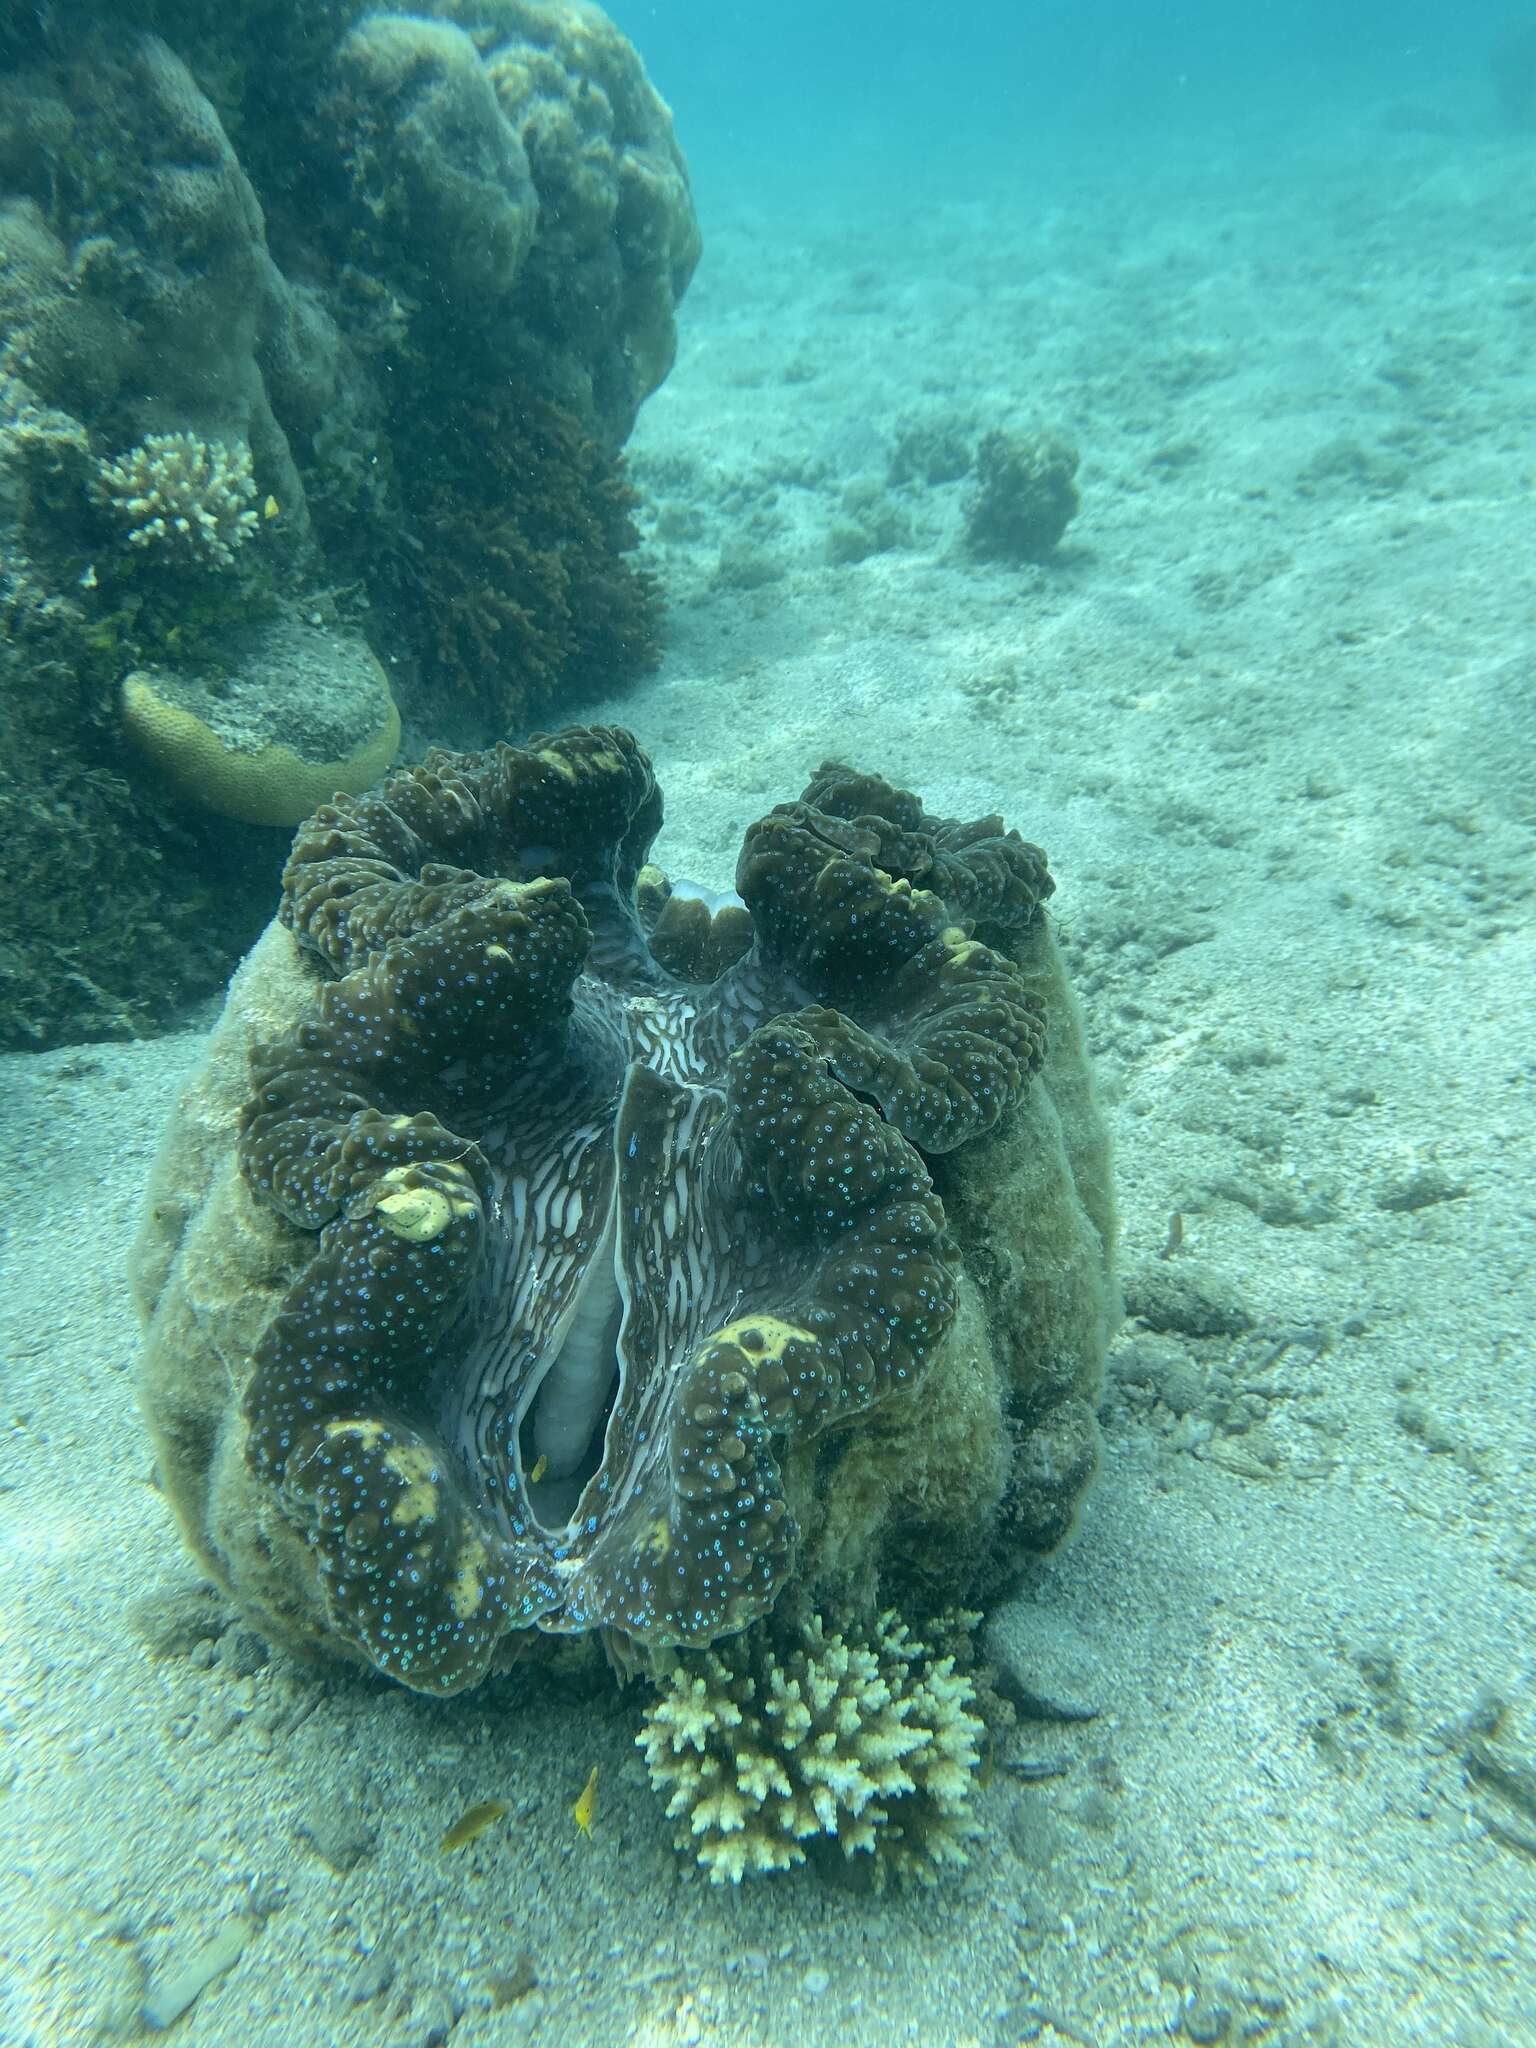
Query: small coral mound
point(1025, 497)
point(873, 1743)
point(187, 498)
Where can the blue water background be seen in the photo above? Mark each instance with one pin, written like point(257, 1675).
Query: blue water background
point(807, 102)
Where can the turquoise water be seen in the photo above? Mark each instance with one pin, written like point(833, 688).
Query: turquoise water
point(950, 103)
point(1109, 425)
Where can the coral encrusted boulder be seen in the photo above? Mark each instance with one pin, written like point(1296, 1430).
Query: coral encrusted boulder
point(543, 1248)
point(329, 317)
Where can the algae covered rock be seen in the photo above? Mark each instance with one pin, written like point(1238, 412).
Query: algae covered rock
point(1026, 496)
point(542, 1249)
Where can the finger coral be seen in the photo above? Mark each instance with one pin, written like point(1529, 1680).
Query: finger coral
point(558, 1235)
point(192, 501)
point(869, 1742)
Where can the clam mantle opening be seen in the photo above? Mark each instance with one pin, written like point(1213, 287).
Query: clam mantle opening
point(563, 1172)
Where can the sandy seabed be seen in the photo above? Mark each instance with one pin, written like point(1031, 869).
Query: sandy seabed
point(1272, 710)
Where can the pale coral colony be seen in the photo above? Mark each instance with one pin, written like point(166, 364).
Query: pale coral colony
point(185, 499)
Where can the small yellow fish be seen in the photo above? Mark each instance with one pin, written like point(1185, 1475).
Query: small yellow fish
point(271, 509)
point(539, 1470)
point(470, 1826)
point(585, 1809)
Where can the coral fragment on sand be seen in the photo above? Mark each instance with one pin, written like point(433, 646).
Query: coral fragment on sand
point(869, 1741)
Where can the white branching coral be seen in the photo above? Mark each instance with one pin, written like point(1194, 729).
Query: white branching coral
point(180, 493)
point(871, 1743)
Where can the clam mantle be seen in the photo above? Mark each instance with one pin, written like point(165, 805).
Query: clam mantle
point(544, 1247)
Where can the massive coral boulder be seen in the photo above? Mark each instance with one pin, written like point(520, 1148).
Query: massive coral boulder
point(286, 715)
point(543, 1248)
point(299, 298)
point(512, 165)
